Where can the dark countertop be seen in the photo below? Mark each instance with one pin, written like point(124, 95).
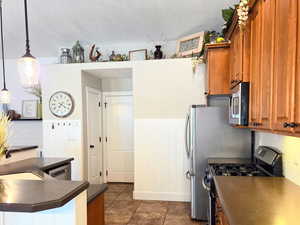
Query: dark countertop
point(95, 190)
point(36, 195)
point(21, 148)
point(228, 161)
point(42, 164)
point(259, 200)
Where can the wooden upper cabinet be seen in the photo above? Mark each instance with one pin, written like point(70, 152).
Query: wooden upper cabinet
point(255, 62)
point(284, 65)
point(267, 47)
point(296, 104)
point(236, 57)
point(217, 69)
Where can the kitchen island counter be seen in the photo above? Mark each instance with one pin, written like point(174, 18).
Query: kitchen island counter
point(38, 192)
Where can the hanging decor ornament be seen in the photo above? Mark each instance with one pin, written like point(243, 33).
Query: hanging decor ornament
point(4, 94)
point(28, 65)
point(242, 11)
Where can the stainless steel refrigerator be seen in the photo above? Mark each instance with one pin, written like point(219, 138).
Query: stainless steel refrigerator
point(209, 135)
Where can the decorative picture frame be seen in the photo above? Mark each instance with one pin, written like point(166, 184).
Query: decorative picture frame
point(190, 45)
point(30, 109)
point(136, 55)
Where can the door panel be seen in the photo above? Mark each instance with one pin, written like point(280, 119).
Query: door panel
point(94, 133)
point(255, 72)
point(282, 82)
point(268, 16)
point(296, 20)
point(119, 132)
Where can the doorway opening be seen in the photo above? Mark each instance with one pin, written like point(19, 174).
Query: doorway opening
point(109, 130)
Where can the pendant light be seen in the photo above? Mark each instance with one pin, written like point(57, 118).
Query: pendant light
point(4, 94)
point(28, 66)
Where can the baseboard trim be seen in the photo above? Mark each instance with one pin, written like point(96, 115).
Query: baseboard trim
point(162, 196)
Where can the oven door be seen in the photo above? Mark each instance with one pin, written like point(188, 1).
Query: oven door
point(207, 185)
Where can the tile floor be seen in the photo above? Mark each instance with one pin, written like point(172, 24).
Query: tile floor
point(121, 209)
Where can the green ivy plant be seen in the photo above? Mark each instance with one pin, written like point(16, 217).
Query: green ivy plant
point(227, 15)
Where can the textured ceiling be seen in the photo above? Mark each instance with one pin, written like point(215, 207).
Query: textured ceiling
point(57, 23)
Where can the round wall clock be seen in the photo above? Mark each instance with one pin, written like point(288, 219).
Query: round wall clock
point(61, 104)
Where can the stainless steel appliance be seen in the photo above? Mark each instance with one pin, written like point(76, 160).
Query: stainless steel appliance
point(239, 105)
point(267, 162)
point(208, 134)
point(61, 173)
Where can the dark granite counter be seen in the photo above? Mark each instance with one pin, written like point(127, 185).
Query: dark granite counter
point(36, 195)
point(28, 165)
point(95, 190)
point(258, 200)
point(21, 148)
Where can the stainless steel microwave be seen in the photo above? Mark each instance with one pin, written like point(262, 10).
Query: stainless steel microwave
point(239, 105)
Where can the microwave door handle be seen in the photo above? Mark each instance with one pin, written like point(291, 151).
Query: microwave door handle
point(187, 138)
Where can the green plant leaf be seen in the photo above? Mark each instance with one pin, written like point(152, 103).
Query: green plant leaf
point(227, 14)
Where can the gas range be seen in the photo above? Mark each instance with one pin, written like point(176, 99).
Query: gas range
point(236, 170)
point(267, 162)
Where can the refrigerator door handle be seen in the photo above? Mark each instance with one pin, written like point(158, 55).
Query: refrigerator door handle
point(187, 135)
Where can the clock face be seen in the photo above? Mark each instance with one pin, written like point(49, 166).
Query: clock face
point(61, 104)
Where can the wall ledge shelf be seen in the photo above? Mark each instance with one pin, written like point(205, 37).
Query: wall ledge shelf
point(27, 119)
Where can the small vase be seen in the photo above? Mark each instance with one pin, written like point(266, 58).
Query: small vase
point(158, 54)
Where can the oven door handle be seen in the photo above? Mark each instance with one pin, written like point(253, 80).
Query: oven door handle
point(205, 186)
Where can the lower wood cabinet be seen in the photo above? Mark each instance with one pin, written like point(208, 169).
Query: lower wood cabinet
point(221, 218)
point(95, 211)
point(217, 69)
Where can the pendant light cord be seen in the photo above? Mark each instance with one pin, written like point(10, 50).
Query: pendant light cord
point(2, 47)
point(26, 27)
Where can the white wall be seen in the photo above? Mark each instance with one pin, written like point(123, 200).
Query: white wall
point(290, 148)
point(64, 140)
point(29, 132)
point(116, 84)
point(163, 91)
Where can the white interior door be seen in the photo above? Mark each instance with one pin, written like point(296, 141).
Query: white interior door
point(94, 133)
point(119, 132)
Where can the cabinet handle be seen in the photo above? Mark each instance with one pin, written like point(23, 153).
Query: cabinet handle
point(286, 125)
point(294, 125)
point(257, 124)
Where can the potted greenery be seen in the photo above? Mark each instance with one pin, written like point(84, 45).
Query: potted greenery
point(4, 133)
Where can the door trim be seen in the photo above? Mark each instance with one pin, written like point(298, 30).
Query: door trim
point(104, 132)
point(89, 89)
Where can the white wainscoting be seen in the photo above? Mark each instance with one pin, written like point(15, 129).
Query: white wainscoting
point(160, 160)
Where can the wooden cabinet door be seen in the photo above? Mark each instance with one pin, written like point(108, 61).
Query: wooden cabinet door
point(232, 56)
point(239, 55)
point(236, 57)
point(255, 57)
point(218, 71)
point(295, 21)
point(267, 12)
point(284, 49)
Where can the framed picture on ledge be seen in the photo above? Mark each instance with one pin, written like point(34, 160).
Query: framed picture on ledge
point(136, 55)
point(30, 109)
point(190, 45)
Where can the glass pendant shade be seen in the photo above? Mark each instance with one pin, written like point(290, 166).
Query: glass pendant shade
point(29, 70)
point(4, 96)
